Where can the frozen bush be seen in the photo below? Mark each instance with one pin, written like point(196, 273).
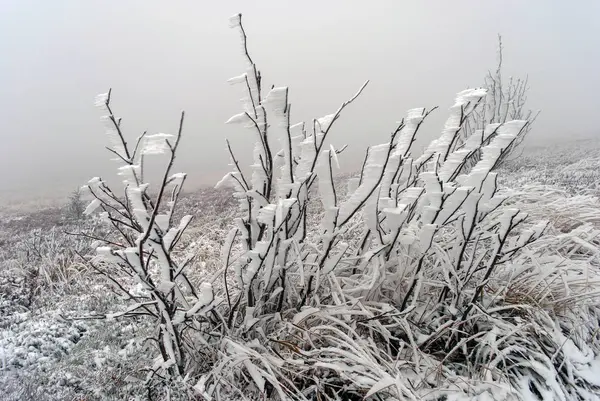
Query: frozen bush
point(421, 282)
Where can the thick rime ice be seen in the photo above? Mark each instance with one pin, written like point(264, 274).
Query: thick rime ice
point(156, 144)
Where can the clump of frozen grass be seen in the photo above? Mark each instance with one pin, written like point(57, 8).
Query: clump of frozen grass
point(52, 255)
point(564, 210)
point(421, 282)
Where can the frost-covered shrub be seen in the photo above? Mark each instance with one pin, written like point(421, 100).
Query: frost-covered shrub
point(53, 255)
point(414, 307)
point(506, 100)
point(141, 261)
point(75, 207)
point(419, 282)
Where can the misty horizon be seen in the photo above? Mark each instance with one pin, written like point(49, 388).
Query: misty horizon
point(160, 60)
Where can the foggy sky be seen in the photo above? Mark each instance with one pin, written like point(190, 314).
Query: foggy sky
point(161, 57)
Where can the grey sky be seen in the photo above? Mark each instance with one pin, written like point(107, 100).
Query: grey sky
point(161, 57)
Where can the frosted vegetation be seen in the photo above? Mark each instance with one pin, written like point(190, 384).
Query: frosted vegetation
point(461, 273)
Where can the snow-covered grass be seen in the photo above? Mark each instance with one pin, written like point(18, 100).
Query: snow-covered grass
point(46, 352)
point(568, 166)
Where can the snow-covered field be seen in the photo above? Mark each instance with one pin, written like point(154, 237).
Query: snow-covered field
point(48, 353)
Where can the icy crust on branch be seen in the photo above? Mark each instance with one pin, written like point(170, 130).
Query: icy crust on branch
point(463, 106)
point(308, 152)
point(112, 133)
point(325, 173)
point(241, 118)
point(101, 100)
point(506, 134)
point(413, 120)
point(277, 104)
point(371, 173)
point(238, 80)
point(325, 122)
point(156, 144)
point(456, 160)
point(235, 21)
point(92, 207)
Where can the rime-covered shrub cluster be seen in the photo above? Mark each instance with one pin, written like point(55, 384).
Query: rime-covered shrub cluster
point(420, 281)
